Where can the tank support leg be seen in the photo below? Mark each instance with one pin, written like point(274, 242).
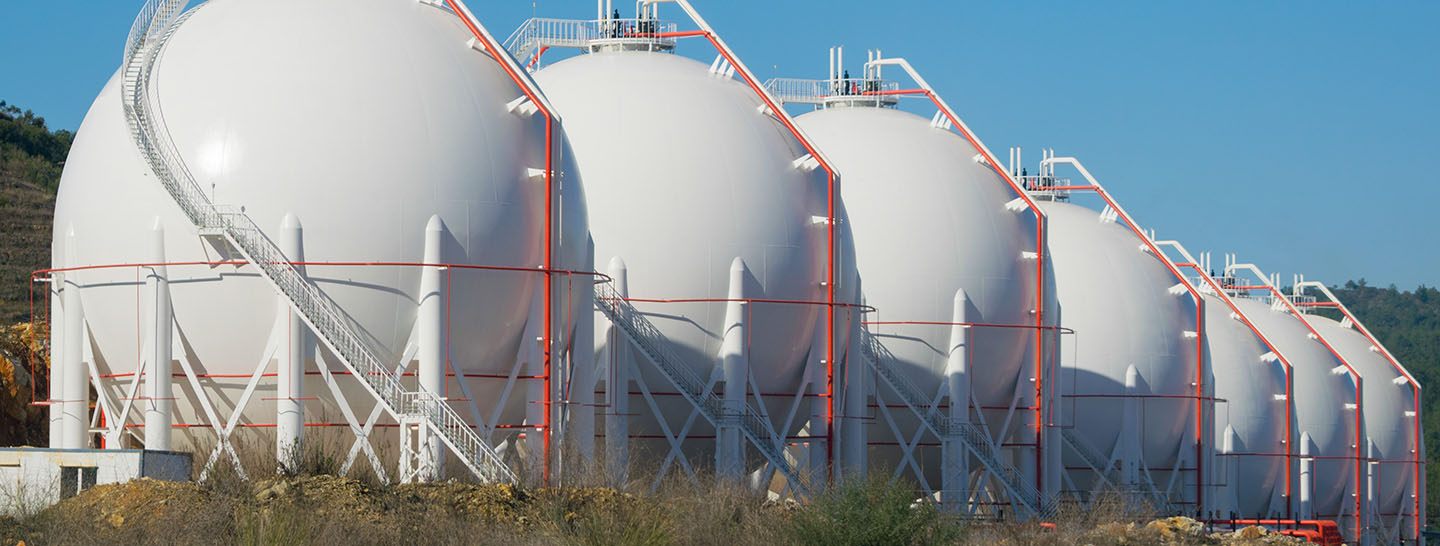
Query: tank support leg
point(290, 372)
point(1372, 476)
point(1307, 475)
point(817, 449)
point(955, 461)
point(75, 377)
point(854, 396)
point(158, 394)
point(532, 346)
point(1228, 502)
point(431, 341)
point(582, 355)
point(735, 365)
point(617, 386)
point(1130, 438)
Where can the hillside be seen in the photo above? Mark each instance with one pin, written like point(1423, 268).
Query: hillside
point(31, 158)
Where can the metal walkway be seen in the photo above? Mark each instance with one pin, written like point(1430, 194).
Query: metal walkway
point(158, 19)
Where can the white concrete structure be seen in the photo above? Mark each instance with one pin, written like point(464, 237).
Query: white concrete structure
point(32, 479)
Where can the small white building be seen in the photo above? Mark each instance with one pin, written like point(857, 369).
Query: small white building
point(32, 479)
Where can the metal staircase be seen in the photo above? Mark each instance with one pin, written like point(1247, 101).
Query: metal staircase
point(1111, 476)
point(148, 36)
point(1095, 459)
point(972, 437)
point(651, 343)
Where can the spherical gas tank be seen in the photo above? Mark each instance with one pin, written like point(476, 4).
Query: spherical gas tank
point(932, 222)
point(1247, 380)
point(686, 174)
point(1127, 310)
point(1322, 389)
point(361, 118)
point(1387, 398)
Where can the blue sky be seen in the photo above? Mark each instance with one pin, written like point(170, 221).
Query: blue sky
point(1300, 135)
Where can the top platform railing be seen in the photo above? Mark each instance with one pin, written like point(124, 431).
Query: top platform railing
point(1045, 187)
point(834, 92)
point(538, 34)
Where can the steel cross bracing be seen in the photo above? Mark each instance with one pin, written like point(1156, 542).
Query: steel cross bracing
point(972, 437)
point(656, 348)
point(1110, 473)
point(157, 20)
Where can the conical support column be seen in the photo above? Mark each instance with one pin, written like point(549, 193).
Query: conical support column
point(735, 365)
point(817, 451)
point(1130, 435)
point(534, 366)
point(430, 345)
point(850, 406)
point(1372, 492)
point(158, 394)
point(582, 357)
point(75, 395)
point(290, 366)
point(1307, 478)
point(617, 385)
point(1228, 503)
point(955, 463)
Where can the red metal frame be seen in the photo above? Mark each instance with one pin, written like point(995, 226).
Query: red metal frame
point(1043, 417)
point(1415, 388)
point(1289, 380)
point(499, 53)
point(1359, 408)
point(832, 178)
point(1200, 433)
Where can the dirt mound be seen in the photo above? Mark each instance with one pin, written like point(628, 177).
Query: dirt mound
point(21, 351)
point(1181, 530)
point(139, 502)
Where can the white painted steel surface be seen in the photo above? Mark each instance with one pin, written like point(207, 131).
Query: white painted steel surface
point(931, 221)
point(1247, 382)
point(1322, 389)
point(1387, 404)
point(363, 127)
point(1123, 306)
point(686, 173)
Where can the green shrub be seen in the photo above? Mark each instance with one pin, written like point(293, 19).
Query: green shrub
point(872, 513)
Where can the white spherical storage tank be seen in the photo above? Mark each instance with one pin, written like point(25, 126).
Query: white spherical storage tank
point(1324, 395)
point(695, 189)
point(1133, 362)
point(364, 127)
point(1248, 379)
point(933, 227)
point(1390, 422)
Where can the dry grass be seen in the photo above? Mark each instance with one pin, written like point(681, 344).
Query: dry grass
point(314, 506)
